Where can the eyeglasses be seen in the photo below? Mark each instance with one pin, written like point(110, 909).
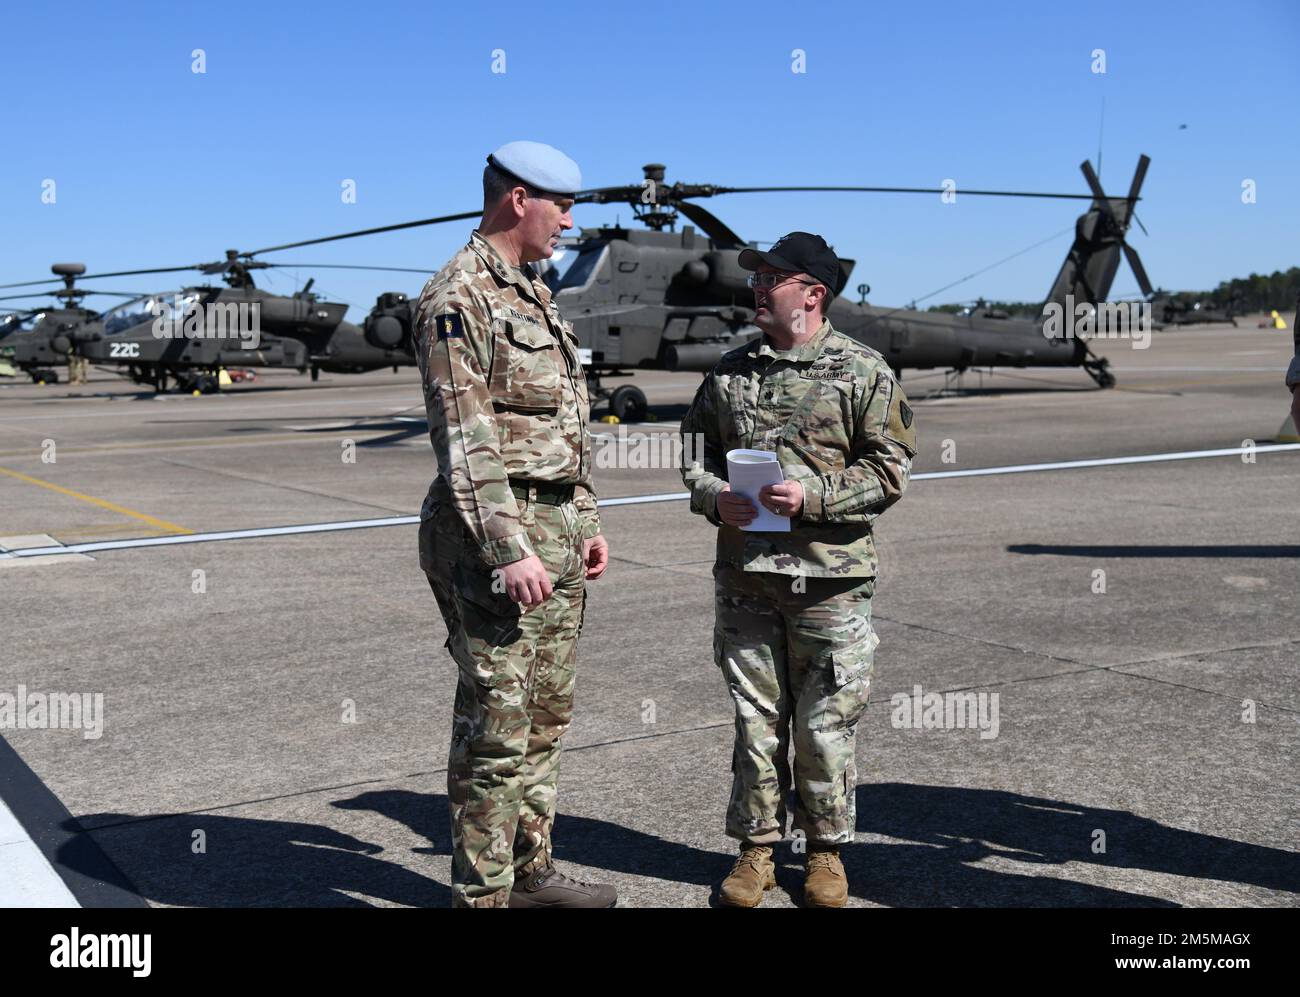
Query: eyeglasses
point(769, 280)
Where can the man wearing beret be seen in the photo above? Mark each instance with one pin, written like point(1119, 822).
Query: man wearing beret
point(792, 634)
point(509, 532)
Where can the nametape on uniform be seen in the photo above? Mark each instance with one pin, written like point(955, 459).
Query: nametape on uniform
point(836, 372)
point(449, 326)
point(514, 313)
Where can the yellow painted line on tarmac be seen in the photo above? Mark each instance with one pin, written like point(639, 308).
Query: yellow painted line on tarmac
point(203, 441)
point(160, 524)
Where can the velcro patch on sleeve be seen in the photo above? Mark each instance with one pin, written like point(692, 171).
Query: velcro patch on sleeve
point(449, 326)
point(900, 423)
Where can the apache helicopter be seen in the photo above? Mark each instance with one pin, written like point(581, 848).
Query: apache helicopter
point(1173, 308)
point(189, 336)
point(35, 340)
point(663, 299)
point(123, 337)
point(692, 304)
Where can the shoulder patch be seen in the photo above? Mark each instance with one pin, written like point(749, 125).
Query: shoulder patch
point(449, 325)
point(905, 412)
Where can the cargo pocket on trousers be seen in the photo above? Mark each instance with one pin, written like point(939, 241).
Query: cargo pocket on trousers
point(487, 613)
point(855, 661)
point(848, 684)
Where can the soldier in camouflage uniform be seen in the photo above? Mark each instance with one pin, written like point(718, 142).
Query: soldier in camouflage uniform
point(77, 367)
point(793, 633)
point(509, 532)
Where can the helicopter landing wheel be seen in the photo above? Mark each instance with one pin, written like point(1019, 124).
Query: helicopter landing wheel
point(1099, 371)
point(315, 373)
point(628, 404)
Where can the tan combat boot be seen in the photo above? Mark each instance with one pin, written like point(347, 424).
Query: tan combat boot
point(825, 885)
point(750, 876)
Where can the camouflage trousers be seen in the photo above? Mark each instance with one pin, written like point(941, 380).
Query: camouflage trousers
point(77, 367)
point(798, 665)
point(514, 698)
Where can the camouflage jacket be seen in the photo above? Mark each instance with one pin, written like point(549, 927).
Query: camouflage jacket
point(505, 394)
point(838, 422)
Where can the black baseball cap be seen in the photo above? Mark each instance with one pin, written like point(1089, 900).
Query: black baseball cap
point(800, 252)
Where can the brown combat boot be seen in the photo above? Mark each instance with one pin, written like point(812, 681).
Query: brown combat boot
point(548, 887)
point(750, 876)
point(825, 885)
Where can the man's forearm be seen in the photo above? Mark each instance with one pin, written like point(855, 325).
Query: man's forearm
point(860, 492)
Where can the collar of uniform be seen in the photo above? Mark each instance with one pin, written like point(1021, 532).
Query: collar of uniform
point(503, 270)
point(810, 349)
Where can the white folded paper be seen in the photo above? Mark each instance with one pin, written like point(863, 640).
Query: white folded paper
point(748, 471)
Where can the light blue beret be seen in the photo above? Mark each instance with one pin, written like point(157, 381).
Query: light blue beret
point(540, 165)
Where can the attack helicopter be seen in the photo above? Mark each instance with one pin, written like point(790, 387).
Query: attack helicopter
point(122, 337)
point(36, 340)
point(659, 298)
point(186, 338)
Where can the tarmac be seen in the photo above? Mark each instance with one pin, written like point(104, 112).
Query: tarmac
point(275, 729)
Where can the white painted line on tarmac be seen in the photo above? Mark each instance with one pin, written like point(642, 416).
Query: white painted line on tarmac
point(365, 524)
point(1065, 465)
point(1198, 370)
point(29, 880)
point(267, 531)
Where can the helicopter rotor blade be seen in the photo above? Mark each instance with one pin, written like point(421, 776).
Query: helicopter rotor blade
point(350, 266)
point(94, 276)
point(722, 236)
point(1139, 271)
point(1138, 176)
point(897, 190)
point(1098, 194)
point(462, 216)
point(76, 293)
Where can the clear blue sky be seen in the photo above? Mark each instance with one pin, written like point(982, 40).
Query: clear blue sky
point(156, 165)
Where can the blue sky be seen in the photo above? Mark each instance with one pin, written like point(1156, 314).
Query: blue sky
point(156, 165)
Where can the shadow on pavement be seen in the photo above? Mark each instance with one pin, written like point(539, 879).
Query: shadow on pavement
point(953, 826)
point(258, 863)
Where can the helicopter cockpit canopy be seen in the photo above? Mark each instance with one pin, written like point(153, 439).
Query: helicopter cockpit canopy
point(147, 308)
point(574, 270)
point(19, 321)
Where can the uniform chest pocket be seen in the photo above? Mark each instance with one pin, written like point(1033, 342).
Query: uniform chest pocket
point(526, 369)
point(818, 432)
point(822, 459)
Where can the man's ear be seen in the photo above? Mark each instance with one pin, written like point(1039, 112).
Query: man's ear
point(518, 199)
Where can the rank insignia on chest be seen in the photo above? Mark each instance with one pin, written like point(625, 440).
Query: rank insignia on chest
point(449, 326)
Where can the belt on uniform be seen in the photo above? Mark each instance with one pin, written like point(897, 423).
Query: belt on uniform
point(548, 492)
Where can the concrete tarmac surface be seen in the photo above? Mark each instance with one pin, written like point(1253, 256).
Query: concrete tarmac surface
point(276, 707)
